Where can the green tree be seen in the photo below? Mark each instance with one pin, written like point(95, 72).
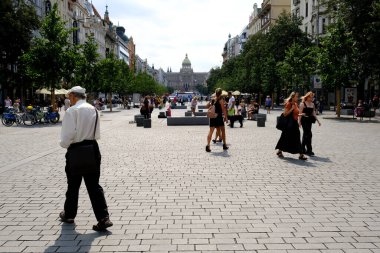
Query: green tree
point(109, 73)
point(297, 67)
point(337, 59)
point(85, 73)
point(50, 58)
point(362, 20)
point(18, 21)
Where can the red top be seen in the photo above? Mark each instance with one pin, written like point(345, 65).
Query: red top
point(296, 111)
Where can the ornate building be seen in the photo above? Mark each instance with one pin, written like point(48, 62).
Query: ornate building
point(186, 79)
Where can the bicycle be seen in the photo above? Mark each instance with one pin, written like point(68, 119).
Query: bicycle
point(11, 117)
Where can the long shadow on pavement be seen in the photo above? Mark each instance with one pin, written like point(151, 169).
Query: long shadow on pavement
point(320, 159)
point(72, 241)
point(298, 162)
point(221, 154)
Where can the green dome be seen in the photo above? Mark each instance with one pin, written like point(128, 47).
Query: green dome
point(186, 61)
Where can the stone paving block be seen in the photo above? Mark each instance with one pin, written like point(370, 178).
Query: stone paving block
point(263, 204)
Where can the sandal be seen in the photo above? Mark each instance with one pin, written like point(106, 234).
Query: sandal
point(225, 147)
point(279, 154)
point(208, 148)
point(302, 157)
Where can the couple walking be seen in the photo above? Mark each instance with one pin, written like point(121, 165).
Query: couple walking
point(305, 116)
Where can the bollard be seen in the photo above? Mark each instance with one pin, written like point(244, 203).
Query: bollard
point(140, 121)
point(260, 121)
point(147, 123)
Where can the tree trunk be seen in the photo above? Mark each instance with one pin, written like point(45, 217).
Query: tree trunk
point(52, 98)
point(110, 101)
point(338, 95)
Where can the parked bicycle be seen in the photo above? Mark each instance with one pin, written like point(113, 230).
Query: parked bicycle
point(10, 117)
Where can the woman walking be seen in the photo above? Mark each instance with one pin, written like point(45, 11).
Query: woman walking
point(218, 122)
point(194, 103)
point(290, 137)
point(308, 117)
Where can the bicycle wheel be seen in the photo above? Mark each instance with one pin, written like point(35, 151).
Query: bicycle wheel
point(7, 122)
point(18, 119)
point(28, 119)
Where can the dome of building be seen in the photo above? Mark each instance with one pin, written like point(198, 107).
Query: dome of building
point(186, 61)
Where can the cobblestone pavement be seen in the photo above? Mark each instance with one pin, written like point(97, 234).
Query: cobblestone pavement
point(166, 194)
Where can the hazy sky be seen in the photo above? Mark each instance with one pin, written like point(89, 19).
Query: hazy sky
point(165, 30)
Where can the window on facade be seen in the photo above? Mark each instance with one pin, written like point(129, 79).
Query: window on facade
point(297, 12)
point(306, 29)
point(306, 9)
point(47, 7)
point(323, 26)
point(312, 30)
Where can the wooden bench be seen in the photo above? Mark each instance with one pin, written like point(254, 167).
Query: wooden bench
point(187, 121)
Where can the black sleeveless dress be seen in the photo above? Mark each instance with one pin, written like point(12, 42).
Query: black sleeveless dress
point(218, 121)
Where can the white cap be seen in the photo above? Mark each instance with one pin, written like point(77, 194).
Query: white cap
point(77, 89)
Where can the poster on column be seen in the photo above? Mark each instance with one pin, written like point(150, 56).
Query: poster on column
point(350, 95)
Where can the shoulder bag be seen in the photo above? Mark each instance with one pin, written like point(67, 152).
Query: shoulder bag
point(211, 112)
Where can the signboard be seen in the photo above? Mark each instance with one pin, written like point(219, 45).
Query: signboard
point(317, 82)
point(350, 95)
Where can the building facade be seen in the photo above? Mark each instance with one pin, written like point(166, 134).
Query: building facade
point(186, 79)
point(315, 17)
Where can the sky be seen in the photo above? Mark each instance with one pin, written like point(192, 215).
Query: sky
point(164, 31)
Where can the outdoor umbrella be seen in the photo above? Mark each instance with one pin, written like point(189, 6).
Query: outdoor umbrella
point(43, 91)
point(236, 93)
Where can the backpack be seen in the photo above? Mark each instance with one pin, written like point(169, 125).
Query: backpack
point(211, 112)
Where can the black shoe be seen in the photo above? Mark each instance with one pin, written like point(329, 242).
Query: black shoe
point(208, 148)
point(214, 141)
point(241, 126)
point(64, 219)
point(311, 153)
point(225, 147)
point(103, 224)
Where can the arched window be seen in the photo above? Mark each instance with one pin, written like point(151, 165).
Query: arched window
point(47, 7)
point(75, 33)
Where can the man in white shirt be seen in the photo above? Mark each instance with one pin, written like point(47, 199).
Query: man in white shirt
point(231, 109)
point(80, 128)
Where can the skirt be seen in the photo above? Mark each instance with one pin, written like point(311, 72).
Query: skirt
point(216, 122)
point(290, 140)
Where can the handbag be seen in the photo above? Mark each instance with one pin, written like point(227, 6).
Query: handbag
point(211, 112)
point(84, 157)
point(283, 122)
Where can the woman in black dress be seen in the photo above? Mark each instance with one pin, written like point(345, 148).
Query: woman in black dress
point(290, 137)
point(308, 117)
point(218, 122)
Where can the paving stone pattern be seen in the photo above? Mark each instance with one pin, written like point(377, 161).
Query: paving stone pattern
point(166, 194)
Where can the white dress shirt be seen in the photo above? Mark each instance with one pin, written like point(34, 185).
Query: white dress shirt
point(78, 124)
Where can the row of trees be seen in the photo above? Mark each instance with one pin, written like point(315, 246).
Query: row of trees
point(52, 61)
point(285, 58)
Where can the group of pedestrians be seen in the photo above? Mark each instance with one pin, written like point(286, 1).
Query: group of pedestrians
point(298, 116)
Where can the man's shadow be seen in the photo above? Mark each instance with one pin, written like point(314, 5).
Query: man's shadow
point(69, 237)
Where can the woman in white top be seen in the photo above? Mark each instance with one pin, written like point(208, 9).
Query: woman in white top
point(194, 103)
point(7, 102)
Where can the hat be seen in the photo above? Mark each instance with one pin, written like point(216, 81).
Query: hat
point(77, 89)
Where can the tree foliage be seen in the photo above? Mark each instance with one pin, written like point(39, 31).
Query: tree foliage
point(51, 56)
point(18, 21)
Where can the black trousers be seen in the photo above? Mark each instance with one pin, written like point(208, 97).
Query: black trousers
point(307, 135)
point(235, 118)
point(95, 191)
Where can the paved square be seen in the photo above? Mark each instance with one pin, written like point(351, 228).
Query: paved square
point(166, 194)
